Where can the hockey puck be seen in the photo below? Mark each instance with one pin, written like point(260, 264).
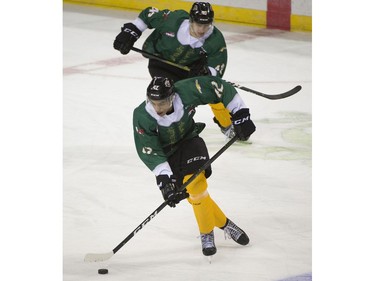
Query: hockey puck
point(103, 271)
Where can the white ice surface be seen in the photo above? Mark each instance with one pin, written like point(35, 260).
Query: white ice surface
point(265, 187)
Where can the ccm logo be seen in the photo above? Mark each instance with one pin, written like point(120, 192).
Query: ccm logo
point(240, 121)
point(197, 158)
point(133, 33)
point(145, 222)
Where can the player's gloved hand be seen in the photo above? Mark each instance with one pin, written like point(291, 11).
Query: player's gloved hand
point(243, 126)
point(126, 38)
point(199, 67)
point(169, 190)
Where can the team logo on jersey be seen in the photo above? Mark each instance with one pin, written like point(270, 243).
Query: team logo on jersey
point(165, 15)
point(170, 34)
point(139, 131)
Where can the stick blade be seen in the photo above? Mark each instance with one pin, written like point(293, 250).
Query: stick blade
point(98, 257)
point(289, 93)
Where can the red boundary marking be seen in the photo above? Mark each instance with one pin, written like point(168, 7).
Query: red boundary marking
point(278, 14)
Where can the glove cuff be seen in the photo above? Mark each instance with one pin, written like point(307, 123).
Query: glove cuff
point(163, 180)
point(241, 112)
point(132, 29)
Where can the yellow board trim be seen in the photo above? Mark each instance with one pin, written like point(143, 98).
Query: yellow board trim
point(222, 13)
point(300, 23)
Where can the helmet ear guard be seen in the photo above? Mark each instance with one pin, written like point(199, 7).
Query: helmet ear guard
point(160, 88)
point(202, 12)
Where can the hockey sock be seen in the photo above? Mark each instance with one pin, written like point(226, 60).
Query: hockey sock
point(221, 114)
point(207, 213)
point(220, 218)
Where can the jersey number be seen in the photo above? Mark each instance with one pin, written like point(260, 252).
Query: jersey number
point(218, 90)
point(152, 11)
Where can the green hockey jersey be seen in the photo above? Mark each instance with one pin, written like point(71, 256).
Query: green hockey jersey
point(166, 40)
point(157, 137)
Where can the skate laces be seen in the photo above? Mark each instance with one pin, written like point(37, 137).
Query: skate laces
point(208, 240)
point(232, 231)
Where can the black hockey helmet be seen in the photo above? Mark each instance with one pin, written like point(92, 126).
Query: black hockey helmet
point(201, 12)
point(160, 88)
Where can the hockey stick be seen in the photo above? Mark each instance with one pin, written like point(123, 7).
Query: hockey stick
point(92, 257)
point(267, 96)
point(151, 56)
point(284, 95)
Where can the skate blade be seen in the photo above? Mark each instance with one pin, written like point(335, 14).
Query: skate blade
point(209, 259)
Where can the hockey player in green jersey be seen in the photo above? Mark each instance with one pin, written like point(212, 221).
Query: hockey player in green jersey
point(168, 142)
point(188, 39)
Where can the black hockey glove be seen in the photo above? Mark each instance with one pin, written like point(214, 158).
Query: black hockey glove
point(126, 38)
point(243, 126)
point(199, 67)
point(169, 190)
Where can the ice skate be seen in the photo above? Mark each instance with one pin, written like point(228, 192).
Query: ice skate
point(232, 231)
point(208, 244)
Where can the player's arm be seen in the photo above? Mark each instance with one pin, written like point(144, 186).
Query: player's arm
point(146, 140)
point(211, 90)
point(131, 31)
point(213, 59)
point(217, 62)
point(151, 153)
